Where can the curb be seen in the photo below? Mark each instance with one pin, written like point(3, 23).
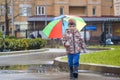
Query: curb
point(23, 51)
point(42, 50)
point(92, 67)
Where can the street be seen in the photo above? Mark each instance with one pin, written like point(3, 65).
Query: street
point(45, 57)
point(54, 76)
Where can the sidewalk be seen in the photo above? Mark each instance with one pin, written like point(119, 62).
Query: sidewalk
point(54, 76)
point(27, 57)
point(34, 58)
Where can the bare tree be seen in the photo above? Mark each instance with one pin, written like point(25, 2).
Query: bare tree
point(6, 18)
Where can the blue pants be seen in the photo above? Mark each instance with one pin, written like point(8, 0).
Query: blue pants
point(73, 60)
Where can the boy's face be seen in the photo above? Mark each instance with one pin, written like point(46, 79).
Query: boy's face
point(72, 26)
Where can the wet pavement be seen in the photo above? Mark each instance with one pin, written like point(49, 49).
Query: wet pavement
point(45, 57)
point(34, 57)
point(40, 58)
point(54, 76)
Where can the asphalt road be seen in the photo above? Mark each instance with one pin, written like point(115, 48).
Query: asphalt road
point(41, 58)
point(54, 76)
point(33, 57)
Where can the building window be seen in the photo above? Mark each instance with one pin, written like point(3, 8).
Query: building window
point(25, 10)
point(2, 10)
point(17, 27)
point(9, 10)
point(94, 11)
point(61, 11)
point(40, 10)
point(3, 27)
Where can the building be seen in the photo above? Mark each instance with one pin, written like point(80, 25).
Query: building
point(116, 7)
point(35, 14)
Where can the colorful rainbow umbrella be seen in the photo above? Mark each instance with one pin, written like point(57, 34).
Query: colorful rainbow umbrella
point(56, 28)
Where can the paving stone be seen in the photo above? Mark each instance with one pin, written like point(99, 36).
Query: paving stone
point(55, 76)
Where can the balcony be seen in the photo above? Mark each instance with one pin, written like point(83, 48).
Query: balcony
point(78, 3)
point(77, 10)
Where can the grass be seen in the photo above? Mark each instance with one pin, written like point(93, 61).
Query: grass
point(15, 67)
point(106, 57)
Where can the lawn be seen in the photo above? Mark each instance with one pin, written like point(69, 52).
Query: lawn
point(106, 57)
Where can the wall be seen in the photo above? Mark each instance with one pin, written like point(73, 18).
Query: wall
point(78, 2)
point(94, 4)
point(107, 8)
point(116, 7)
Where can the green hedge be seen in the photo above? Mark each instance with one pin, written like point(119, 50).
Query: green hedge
point(23, 44)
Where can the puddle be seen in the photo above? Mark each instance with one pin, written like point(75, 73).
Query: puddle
point(13, 71)
point(44, 68)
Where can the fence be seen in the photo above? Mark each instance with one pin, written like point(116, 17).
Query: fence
point(27, 33)
point(38, 33)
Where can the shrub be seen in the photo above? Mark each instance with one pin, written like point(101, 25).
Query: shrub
point(23, 44)
point(36, 43)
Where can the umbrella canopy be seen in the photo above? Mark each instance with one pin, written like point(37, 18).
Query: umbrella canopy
point(56, 28)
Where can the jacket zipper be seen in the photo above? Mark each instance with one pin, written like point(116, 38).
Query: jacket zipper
point(73, 41)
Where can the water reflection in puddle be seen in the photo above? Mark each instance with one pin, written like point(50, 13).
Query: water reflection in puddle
point(13, 71)
point(32, 69)
point(44, 68)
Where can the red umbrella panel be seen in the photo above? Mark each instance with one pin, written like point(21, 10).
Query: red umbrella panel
point(57, 27)
point(56, 32)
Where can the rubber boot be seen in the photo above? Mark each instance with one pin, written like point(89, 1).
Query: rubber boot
point(75, 73)
point(71, 73)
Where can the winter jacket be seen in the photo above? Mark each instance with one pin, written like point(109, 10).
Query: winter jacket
point(74, 41)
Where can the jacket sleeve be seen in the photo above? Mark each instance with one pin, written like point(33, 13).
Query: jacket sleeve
point(64, 40)
point(82, 43)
